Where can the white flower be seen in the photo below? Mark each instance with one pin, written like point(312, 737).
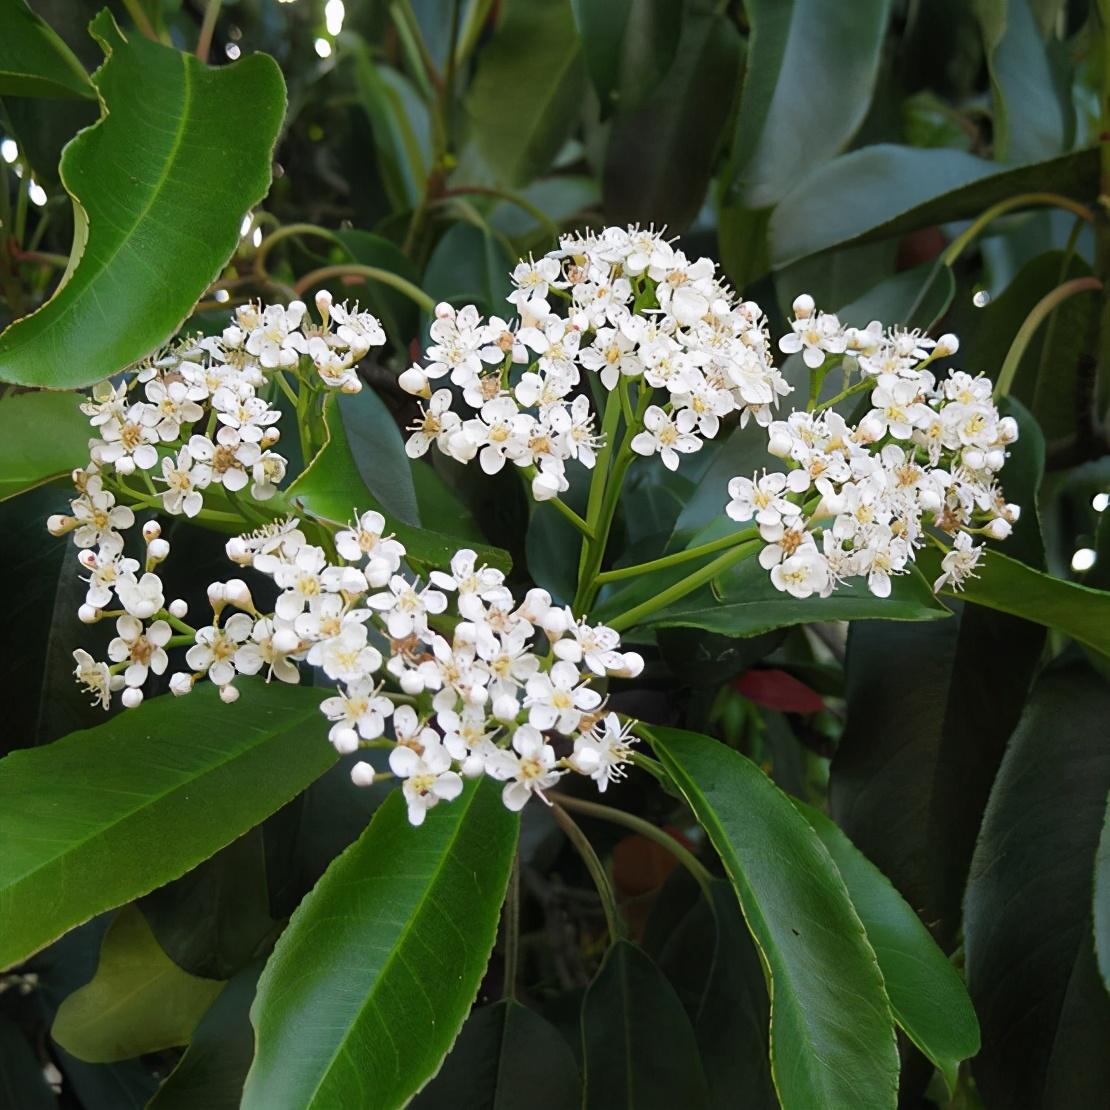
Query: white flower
point(436, 425)
point(273, 336)
point(183, 484)
point(428, 777)
point(476, 586)
point(141, 648)
point(270, 645)
point(143, 597)
point(594, 645)
point(358, 711)
point(406, 608)
point(557, 700)
point(814, 336)
point(359, 330)
point(227, 462)
point(106, 567)
point(366, 539)
point(667, 435)
point(216, 646)
point(347, 656)
point(958, 563)
point(176, 404)
point(529, 768)
point(93, 676)
point(603, 753)
point(764, 499)
point(98, 517)
point(802, 574)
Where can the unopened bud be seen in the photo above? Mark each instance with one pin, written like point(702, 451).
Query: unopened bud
point(999, 528)
point(178, 608)
point(803, 307)
point(947, 344)
point(412, 683)
point(345, 741)
point(131, 697)
point(270, 436)
point(362, 774)
point(157, 551)
point(87, 559)
point(59, 525)
point(415, 381)
point(444, 311)
point(228, 694)
point(238, 593)
point(180, 684)
point(217, 596)
point(125, 465)
point(323, 304)
point(151, 530)
point(505, 707)
point(779, 444)
point(88, 614)
point(1012, 512)
point(238, 551)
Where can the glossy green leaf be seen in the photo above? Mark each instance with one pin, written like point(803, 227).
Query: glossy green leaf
point(507, 1057)
point(1005, 584)
point(29, 456)
point(469, 266)
point(885, 190)
point(1032, 120)
point(927, 996)
point(1028, 936)
point(802, 102)
point(1102, 900)
point(332, 488)
point(832, 1035)
point(629, 46)
point(139, 1001)
point(525, 98)
point(638, 1047)
point(149, 238)
point(212, 1071)
point(34, 61)
point(399, 314)
point(659, 158)
point(911, 797)
point(397, 935)
point(139, 800)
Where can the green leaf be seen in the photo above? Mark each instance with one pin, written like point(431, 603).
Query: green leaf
point(1102, 900)
point(140, 800)
point(139, 1001)
point(886, 190)
point(659, 158)
point(1032, 121)
point(30, 458)
point(832, 1035)
point(1005, 584)
point(212, 1071)
point(525, 98)
point(332, 487)
point(398, 314)
point(927, 996)
point(507, 1057)
point(1031, 971)
point(629, 46)
point(911, 797)
point(397, 935)
point(638, 1046)
point(34, 61)
point(149, 240)
point(469, 266)
point(802, 102)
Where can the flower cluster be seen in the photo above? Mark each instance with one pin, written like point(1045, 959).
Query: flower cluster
point(637, 310)
point(856, 500)
point(195, 420)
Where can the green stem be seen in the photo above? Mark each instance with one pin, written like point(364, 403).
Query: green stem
point(597, 872)
point(677, 558)
point(372, 273)
point(135, 10)
point(1024, 200)
point(610, 421)
point(525, 205)
point(208, 28)
point(646, 829)
point(175, 622)
point(289, 231)
point(1025, 333)
point(683, 587)
point(859, 387)
point(562, 506)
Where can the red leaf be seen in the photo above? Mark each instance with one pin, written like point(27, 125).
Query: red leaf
point(778, 690)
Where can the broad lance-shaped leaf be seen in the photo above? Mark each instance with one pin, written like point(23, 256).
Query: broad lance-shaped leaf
point(927, 996)
point(1005, 584)
point(832, 1032)
point(332, 488)
point(380, 964)
point(42, 436)
point(159, 186)
point(143, 798)
point(138, 1001)
point(34, 61)
point(1028, 937)
point(638, 1047)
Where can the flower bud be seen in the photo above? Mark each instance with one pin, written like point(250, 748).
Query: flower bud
point(870, 429)
point(270, 436)
point(238, 551)
point(178, 608)
point(151, 530)
point(116, 683)
point(88, 614)
point(362, 774)
point(180, 684)
point(217, 596)
point(132, 697)
point(323, 304)
point(995, 459)
point(87, 559)
point(285, 641)
point(947, 344)
point(412, 683)
point(1007, 430)
point(444, 311)
point(59, 525)
point(157, 551)
point(1012, 512)
point(554, 623)
point(238, 593)
point(803, 307)
point(998, 529)
point(415, 381)
point(345, 741)
point(505, 707)
point(228, 694)
point(633, 665)
point(974, 458)
point(779, 444)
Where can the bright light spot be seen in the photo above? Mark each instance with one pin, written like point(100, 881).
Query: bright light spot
point(245, 226)
point(323, 48)
point(981, 299)
point(256, 238)
point(9, 151)
point(1100, 501)
point(232, 51)
point(37, 194)
point(334, 11)
point(222, 295)
point(1083, 559)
